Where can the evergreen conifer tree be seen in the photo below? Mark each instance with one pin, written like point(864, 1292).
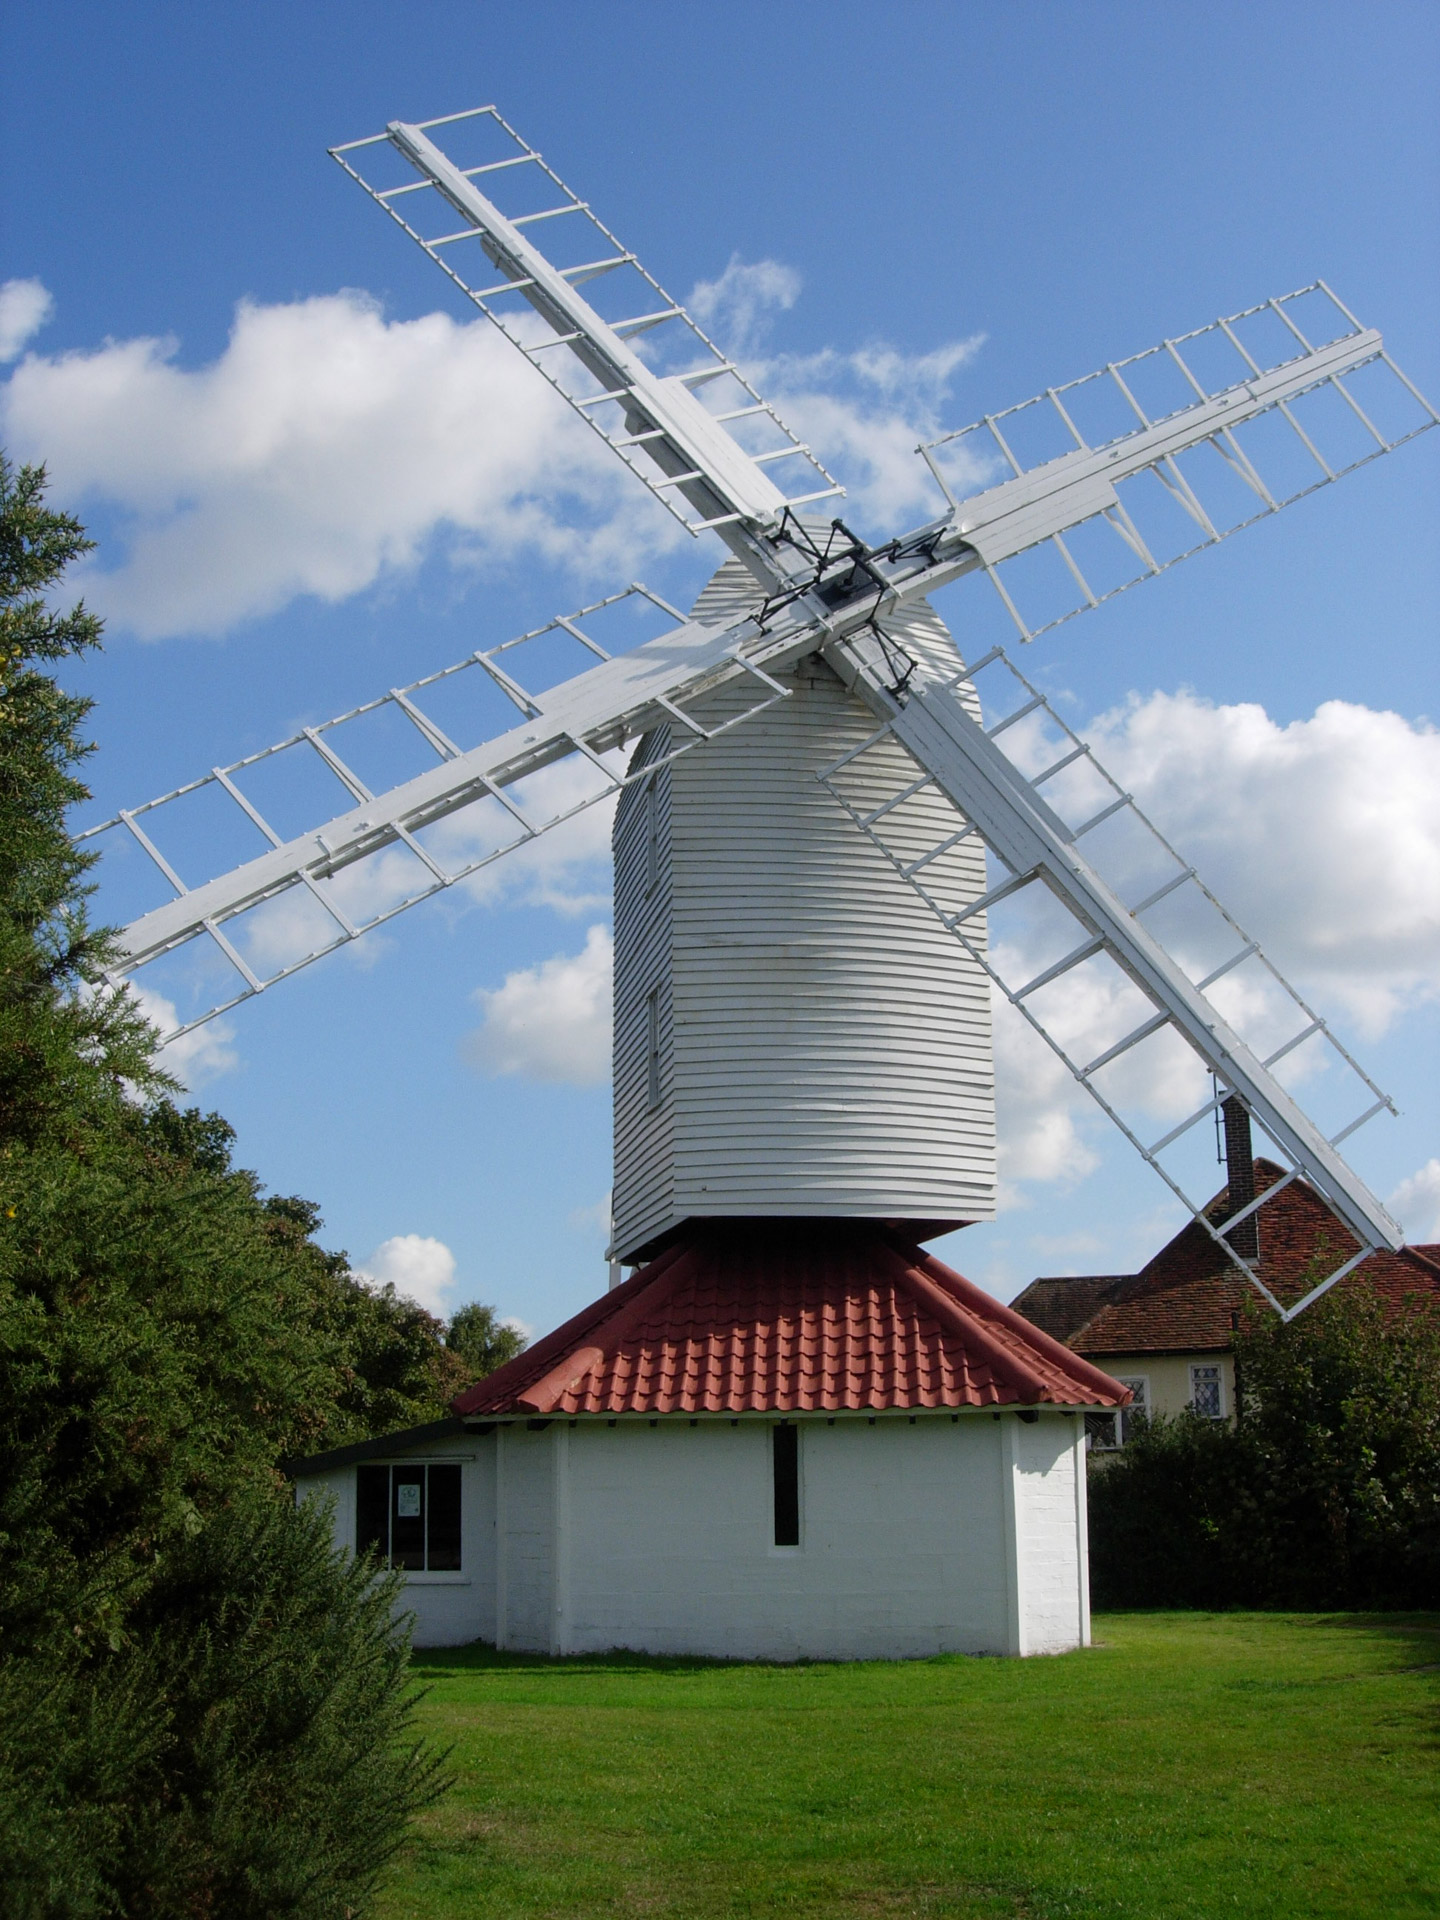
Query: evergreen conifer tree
point(203, 1709)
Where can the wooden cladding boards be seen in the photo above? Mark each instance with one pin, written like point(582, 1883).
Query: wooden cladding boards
point(826, 1043)
point(644, 1145)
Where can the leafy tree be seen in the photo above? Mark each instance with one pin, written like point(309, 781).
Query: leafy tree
point(1342, 1411)
point(1325, 1492)
point(168, 1336)
point(481, 1341)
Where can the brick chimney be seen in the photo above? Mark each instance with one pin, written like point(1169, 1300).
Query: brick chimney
point(1240, 1177)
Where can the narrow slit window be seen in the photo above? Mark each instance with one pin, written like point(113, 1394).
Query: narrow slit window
point(652, 1047)
point(785, 1445)
point(409, 1516)
point(652, 835)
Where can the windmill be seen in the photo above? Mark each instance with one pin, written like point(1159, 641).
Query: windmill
point(825, 803)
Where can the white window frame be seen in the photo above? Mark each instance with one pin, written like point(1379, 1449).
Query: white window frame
point(1139, 1385)
point(1096, 1423)
point(415, 1576)
point(1209, 1367)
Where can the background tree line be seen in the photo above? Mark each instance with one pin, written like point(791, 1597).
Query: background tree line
point(203, 1711)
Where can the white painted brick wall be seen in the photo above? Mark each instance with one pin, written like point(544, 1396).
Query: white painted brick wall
point(450, 1610)
point(526, 1538)
point(1049, 1535)
point(668, 1539)
point(338, 1486)
point(901, 1541)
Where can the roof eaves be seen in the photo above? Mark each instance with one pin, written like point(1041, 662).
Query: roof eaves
point(986, 1307)
point(1024, 1383)
point(380, 1446)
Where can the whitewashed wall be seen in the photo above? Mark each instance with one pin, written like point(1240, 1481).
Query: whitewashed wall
point(901, 1554)
point(825, 1043)
point(1045, 1468)
point(963, 1536)
point(526, 1546)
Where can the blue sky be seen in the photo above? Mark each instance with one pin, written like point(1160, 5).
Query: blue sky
point(959, 205)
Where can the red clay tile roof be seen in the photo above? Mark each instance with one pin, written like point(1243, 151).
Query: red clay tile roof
point(1188, 1299)
point(790, 1317)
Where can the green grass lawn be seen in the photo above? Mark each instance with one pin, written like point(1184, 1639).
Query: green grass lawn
point(1187, 1764)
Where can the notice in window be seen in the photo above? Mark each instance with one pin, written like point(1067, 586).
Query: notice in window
point(407, 1500)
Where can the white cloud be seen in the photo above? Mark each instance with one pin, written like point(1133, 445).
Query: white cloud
point(327, 447)
point(324, 447)
point(593, 1221)
point(737, 308)
point(25, 306)
point(203, 1054)
point(567, 868)
point(862, 411)
point(864, 414)
point(420, 1268)
point(1415, 1203)
point(1322, 837)
point(1039, 1117)
point(550, 1022)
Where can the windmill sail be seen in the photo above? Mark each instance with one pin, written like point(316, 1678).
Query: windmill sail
point(685, 451)
point(587, 716)
point(1248, 418)
point(999, 802)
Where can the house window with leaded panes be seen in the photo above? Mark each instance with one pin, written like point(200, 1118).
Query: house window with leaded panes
point(1207, 1392)
point(1108, 1432)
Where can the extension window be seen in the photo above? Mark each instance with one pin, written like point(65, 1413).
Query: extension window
point(410, 1515)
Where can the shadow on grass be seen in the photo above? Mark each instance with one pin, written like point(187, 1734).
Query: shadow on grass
point(1406, 1643)
point(1415, 1636)
point(479, 1656)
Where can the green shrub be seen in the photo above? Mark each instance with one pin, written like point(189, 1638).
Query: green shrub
point(1324, 1493)
point(247, 1752)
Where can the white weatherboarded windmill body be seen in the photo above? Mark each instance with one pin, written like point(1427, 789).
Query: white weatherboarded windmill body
point(791, 1432)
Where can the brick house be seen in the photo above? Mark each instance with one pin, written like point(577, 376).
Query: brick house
point(1168, 1332)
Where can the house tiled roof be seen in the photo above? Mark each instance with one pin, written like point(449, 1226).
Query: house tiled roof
point(790, 1317)
point(1063, 1306)
point(1189, 1298)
